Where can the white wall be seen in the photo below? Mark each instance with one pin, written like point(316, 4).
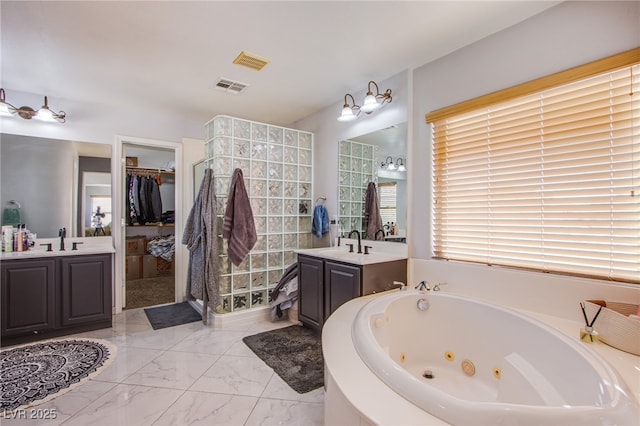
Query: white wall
point(96, 122)
point(328, 132)
point(570, 34)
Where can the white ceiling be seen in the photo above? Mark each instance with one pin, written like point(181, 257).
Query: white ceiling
point(168, 55)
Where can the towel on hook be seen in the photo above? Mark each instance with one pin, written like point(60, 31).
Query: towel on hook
point(372, 217)
point(320, 223)
point(239, 229)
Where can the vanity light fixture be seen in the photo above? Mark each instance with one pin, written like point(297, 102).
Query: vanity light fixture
point(400, 165)
point(371, 103)
point(43, 114)
point(349, 111)
point(388, 164)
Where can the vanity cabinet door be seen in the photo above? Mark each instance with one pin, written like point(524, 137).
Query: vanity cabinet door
point(310, 291)
point(28, 296)
point(85, 283)
point(342, 283)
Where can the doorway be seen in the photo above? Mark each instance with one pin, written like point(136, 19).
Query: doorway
point(146, 209)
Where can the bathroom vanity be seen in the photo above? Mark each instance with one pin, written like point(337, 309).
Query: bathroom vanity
point(328, 278)
point(50, 294)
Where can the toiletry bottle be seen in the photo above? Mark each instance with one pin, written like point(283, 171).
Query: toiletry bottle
point(7, 231)
point(19, 238)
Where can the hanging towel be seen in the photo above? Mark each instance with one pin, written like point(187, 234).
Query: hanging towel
point(372, 211)
point(239, 229)
point(320, 224)
point(200, 234)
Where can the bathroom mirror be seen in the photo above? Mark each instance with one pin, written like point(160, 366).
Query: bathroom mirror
point(360, 161)
point(57, 183)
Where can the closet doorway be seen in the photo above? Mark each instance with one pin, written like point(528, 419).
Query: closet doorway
point(147, 265)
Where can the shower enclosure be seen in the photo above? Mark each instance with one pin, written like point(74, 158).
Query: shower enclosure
point(277, 164)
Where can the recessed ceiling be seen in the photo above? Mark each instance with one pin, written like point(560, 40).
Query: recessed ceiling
point(167, 55)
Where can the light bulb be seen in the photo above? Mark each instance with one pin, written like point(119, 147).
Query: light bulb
point(347, 114)
point(370, 103)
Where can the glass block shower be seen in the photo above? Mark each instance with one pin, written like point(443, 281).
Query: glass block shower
point(357, 167)
point(277, 165)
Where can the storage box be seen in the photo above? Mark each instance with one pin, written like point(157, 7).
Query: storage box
point(149, 266)
point(614, 326)
point(136, 246)
point(132, 161)
point(164, 267)
point(133, 267)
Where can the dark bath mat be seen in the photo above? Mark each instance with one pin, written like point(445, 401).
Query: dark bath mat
point(295, 353)
point(172, 315)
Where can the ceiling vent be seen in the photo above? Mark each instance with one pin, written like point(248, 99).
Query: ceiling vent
point(230, 86)
point(252, 61)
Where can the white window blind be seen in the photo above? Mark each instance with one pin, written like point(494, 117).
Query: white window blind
point(544, 181)
point(387, 194)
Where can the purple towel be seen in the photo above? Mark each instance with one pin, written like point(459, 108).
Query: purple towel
point(239, 228)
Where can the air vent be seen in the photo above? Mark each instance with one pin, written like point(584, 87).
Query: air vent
point(230, 86)
point(252, 61)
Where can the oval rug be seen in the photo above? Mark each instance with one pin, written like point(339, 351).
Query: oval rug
point(38, 372)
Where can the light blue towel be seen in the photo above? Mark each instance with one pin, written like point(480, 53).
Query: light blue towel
point(320, 223)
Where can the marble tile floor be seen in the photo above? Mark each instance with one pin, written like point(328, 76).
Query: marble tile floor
point(186, 375)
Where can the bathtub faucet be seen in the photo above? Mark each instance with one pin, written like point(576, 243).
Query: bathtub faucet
point(423, 286)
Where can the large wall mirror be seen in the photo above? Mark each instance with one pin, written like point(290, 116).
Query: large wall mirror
point(52, 184)
point(378, 157)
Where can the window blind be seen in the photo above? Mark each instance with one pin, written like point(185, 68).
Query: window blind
point(387, 196)
point(544, 181)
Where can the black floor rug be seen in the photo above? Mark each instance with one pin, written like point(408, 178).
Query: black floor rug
point(172, 315)
point(34, 373)
point(295, 353)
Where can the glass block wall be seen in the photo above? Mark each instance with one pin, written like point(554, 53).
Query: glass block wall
point(357, 167)
point(277, 165)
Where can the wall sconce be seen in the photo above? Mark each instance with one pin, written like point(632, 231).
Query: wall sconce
point(388, 164)
point(371, 103)
point(349, 112)
point(43, 114)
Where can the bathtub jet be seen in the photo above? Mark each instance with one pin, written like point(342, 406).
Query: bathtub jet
point(494, 365)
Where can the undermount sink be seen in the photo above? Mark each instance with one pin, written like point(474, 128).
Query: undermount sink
point(342, 254)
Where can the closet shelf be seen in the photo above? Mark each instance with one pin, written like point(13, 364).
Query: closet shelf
point(150, 171)
point(158, 225)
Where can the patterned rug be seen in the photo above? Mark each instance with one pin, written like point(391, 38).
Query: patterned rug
point(294, 353)
point(38, 372)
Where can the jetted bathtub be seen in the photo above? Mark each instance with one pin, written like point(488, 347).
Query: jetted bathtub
point(470, 362)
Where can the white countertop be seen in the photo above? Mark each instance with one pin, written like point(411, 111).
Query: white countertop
point(379, 252)
point(368, 394)
point(90, 245)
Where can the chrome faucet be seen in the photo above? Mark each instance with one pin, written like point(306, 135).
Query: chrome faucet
point(359, 240)
point(62, 233)
point(423, 286)
point(375, 236)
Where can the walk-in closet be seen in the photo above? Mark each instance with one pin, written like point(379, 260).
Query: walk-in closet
point(149, 216)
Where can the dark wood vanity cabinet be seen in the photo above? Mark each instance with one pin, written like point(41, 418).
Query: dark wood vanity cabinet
point(310, 291)
point(43, 298)
point(85, 286)
point(341, 284)
point(28, 296)
point(324, 285)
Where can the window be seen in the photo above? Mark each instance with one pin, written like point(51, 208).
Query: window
point(547, 180)
point(388, 202)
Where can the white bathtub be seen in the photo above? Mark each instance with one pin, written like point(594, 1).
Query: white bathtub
point(524, 371)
